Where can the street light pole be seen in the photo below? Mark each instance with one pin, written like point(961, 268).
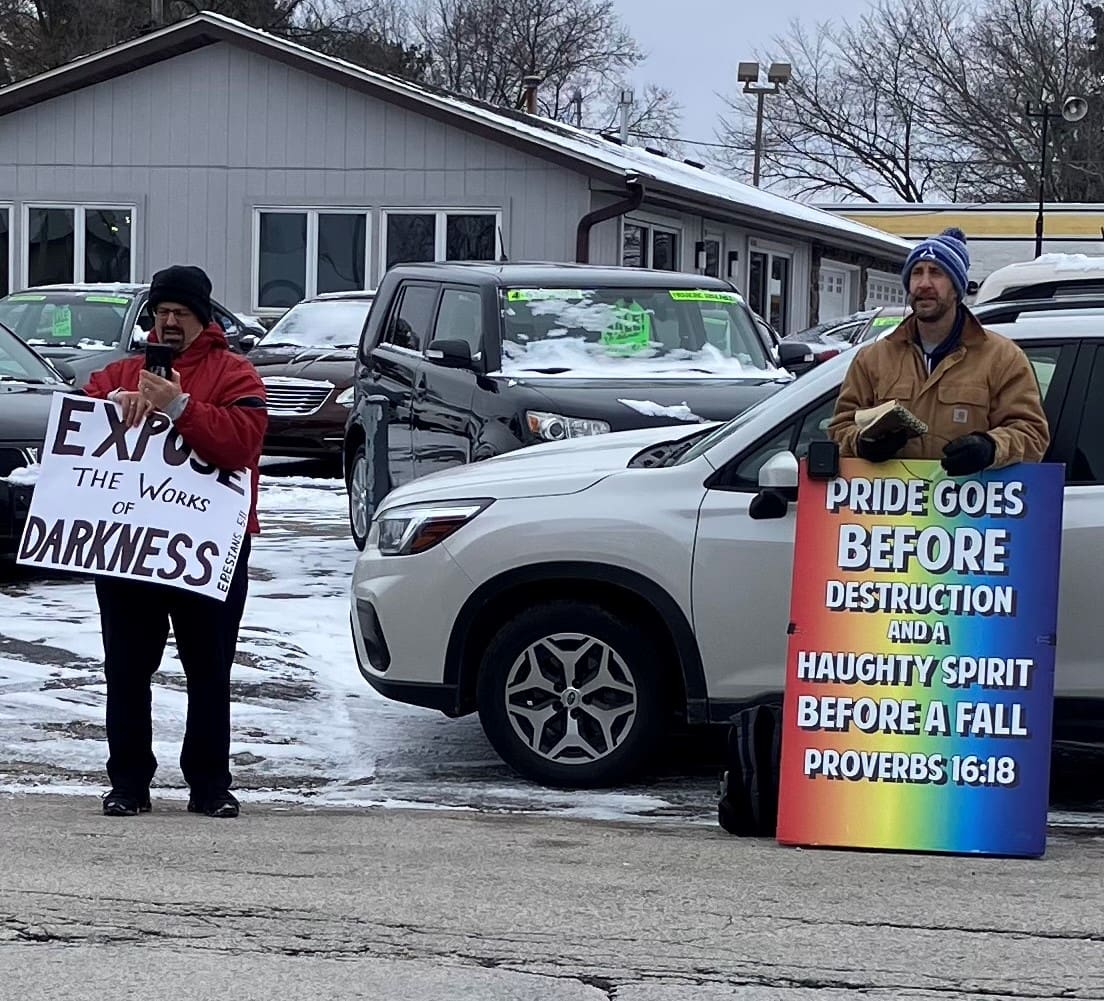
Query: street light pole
point(758, 136)
point(1042, 183)
point(1073, 110)
point(778, 74)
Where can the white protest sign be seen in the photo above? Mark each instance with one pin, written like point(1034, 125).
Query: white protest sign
point(137, 503)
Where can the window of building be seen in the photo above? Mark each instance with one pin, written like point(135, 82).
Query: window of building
point(440, 235)
point(78, 243)
point(5, 249)
point(648, 246)
point(301, 253)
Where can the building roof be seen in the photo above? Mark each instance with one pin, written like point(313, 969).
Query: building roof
point(682, 184)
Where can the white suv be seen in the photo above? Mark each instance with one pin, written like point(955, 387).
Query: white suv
point(581, 596)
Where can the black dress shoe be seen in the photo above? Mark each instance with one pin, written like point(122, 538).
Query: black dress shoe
point(124, 804)
point(219, 804)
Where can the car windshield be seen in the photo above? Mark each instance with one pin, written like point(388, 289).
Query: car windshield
point(18, 363)
point(824, 377)
point(332, 324)
point(87, 320)
point(632, 332)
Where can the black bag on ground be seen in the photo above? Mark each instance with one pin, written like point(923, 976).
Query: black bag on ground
point(748, 805)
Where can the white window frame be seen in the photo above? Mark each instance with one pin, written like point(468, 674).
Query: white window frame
point(78, 209)
point(6, 208)
point(310, 282)
point(440, 228)
point(771, 251)
point(651, 228)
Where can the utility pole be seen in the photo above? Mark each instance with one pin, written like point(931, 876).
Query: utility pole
point(778, 75)
point(1073, 110)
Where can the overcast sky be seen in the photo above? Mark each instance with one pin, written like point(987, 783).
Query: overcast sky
point(693, 46)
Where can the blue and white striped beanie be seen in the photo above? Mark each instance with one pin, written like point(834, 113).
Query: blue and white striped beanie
point(948, 251)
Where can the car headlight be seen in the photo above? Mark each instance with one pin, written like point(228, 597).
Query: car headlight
point(556, 427)
point(345, 397)
point(414, 528)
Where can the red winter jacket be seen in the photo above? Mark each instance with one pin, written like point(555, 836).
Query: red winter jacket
point(225, 419)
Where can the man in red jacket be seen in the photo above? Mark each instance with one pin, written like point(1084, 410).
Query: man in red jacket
point(216, 401)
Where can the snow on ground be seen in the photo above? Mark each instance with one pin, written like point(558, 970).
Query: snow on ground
point(307, 729)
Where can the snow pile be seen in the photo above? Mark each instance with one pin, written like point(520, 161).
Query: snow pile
point(577, 357)
point(24, 476)
point(680, 412)
point(1072, 262)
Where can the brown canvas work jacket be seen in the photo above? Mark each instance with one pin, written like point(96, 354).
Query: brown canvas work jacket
point(985, 385)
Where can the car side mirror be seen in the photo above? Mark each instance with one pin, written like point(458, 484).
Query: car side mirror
point(450, 354)
point(247, 342)
point(778, 480)
point(139, 337)
point(65, 370)
point(795, 356)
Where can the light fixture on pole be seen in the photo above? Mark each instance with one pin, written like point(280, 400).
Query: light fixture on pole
point(1073, 110)
point(778, 75)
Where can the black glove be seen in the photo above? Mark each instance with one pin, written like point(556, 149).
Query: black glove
point(969, 454)
point(880, 449)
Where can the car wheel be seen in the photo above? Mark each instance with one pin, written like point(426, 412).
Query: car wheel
point(569, 695)
point(359, 516)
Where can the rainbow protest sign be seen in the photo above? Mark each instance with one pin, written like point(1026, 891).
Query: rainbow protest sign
point(920, 677)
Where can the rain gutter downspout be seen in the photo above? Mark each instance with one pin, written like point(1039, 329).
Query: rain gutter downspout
point(628, 204)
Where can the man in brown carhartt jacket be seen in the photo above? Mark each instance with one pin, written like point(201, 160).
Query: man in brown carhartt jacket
point(974, 389)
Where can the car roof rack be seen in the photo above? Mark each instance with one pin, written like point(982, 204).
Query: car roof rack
point(1006, 311)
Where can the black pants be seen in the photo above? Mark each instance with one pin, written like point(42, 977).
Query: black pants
point(134, 617)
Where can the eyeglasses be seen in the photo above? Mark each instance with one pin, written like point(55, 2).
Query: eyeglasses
point(177, 314)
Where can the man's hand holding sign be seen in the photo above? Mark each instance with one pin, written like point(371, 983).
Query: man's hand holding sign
point(919, 684)
point(151, 485)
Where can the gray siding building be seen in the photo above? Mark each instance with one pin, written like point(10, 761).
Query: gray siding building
point(285, 173)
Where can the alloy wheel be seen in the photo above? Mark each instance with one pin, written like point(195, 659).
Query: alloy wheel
point(570, 698)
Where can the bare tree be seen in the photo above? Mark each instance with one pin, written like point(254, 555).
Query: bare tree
point(486, 48)
point(920, 101)
point(37, 35)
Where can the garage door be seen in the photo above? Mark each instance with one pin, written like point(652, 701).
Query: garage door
point(883, 290)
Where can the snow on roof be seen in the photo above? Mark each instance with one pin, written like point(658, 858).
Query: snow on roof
point(1070, 262)
point(576, 144)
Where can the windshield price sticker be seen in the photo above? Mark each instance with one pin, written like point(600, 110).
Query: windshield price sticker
point(62, 322)
point(698, 295)
point(537, 294)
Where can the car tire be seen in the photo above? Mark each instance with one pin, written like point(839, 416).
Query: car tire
point(360, 518)
point(614, 701)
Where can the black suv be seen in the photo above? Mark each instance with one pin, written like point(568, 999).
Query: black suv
point(462, 362)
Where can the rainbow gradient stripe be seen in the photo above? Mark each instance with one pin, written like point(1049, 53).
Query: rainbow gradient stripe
point(950, 816)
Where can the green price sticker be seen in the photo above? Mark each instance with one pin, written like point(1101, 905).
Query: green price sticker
point(537, 294)
point(631, 330)
point(27, 298)
point(114, 300)
point(700, 295)
point(62, 322)
point(885, 321)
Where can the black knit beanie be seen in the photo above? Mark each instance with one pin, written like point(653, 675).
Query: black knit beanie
point(185, 284)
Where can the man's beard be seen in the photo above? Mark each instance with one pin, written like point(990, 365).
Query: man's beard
point(173, 337)
point(931, 310)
